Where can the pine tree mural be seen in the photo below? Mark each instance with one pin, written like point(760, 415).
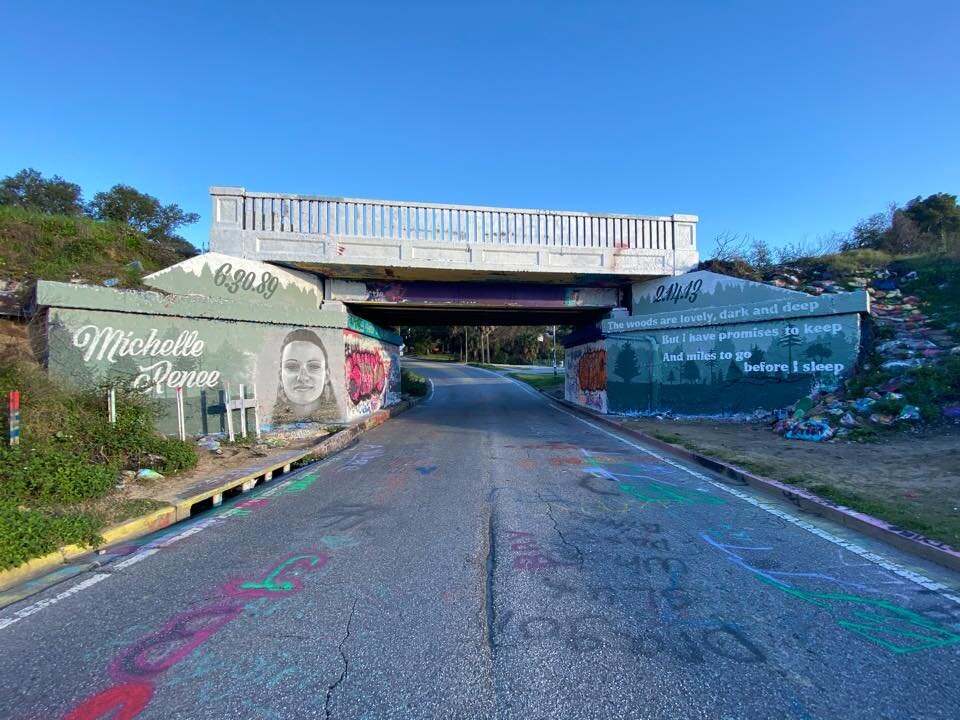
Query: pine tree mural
point(627, 366)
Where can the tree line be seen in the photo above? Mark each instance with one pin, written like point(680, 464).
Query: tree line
point(920, 226)
point(514, 345)
point(31, 191)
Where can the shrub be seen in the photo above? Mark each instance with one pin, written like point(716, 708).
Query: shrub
point(49, 476)
point(26, 534)
point(852, 262)
point(177, 454)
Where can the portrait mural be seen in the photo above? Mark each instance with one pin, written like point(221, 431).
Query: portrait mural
point(303, 391)
point(300, 374)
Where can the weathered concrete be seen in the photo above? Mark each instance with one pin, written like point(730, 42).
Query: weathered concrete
point(353, 238)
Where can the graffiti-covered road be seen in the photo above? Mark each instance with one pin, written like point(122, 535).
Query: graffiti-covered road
point(489, 555)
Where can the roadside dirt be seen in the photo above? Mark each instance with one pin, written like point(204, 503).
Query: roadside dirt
point(210, 464)
point(906, 478)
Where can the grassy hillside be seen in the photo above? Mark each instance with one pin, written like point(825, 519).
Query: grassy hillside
point(60, 247)
point(55, 488)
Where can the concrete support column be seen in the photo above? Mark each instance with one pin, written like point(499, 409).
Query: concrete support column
point(226, 215)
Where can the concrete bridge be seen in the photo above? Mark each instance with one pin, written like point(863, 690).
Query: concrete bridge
point(418, 263)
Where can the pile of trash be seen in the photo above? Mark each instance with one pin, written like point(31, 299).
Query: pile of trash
point(909, 342)
point(827, 414)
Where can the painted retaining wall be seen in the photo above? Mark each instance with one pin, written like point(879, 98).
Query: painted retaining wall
point(586, 375)
point(307, 364)
point(708, 344)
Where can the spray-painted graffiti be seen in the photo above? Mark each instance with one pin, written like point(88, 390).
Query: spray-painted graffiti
point(880, 621)
point(586, 375)
point(120, 702)
point(136, 668)
point(592, 372)
point(667, 620)
point(630, 478)
point(371, 374)
point(529, 555)
point(366, 376)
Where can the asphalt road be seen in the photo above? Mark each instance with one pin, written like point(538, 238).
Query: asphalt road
point(487, 555)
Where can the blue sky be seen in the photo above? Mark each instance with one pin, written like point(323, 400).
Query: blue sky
point(784, 121)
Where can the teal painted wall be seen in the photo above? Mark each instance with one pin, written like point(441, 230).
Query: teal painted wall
point(708, 344)
point(727, 369)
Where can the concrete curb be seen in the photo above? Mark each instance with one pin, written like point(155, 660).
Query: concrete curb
point(237, 481)
point(907, 540)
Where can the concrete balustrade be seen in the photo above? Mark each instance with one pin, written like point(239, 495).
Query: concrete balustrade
point(345, 231)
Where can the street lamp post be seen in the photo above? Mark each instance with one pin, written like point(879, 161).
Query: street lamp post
point(554, 350)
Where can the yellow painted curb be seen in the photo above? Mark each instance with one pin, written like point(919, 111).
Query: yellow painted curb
point(30, 569)
point(164, 517)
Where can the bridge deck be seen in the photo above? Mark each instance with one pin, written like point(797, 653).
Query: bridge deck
point(330, 234)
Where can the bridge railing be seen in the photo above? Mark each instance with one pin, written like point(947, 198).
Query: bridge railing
point(379, 219)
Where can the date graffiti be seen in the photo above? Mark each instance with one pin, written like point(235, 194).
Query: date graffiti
point(246, 280)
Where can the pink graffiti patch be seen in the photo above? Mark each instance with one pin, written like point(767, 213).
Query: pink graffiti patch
point(531, 556)
point(255, 503)
point(158, 651)
point(120, 702)
point(152, 654)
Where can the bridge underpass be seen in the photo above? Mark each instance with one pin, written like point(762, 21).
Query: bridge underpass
point(400, 263)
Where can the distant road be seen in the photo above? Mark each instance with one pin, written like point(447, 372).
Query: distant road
point(488, 555)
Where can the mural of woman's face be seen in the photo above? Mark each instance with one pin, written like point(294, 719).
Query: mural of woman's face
point(303, 372)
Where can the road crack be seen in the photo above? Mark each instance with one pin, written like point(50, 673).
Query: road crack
point(563, 539)
point(489, 567)
point(346, 662)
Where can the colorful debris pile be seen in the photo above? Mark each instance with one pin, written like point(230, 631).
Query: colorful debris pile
point(906, 347)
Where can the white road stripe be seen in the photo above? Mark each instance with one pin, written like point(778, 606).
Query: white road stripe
point(899, 570)
point(47, 602)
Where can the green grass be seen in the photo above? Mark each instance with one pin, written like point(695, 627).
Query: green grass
point(541, 381)
point(937, 285)
point(59, 247)
point(55, 486)
point(944, 527)
point(485, 366)
point(117, 511)
point(437, 357)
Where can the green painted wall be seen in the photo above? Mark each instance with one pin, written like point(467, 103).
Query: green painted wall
point(231, 278)
point(708, 344)
point(306, 364)
point(300, 373)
